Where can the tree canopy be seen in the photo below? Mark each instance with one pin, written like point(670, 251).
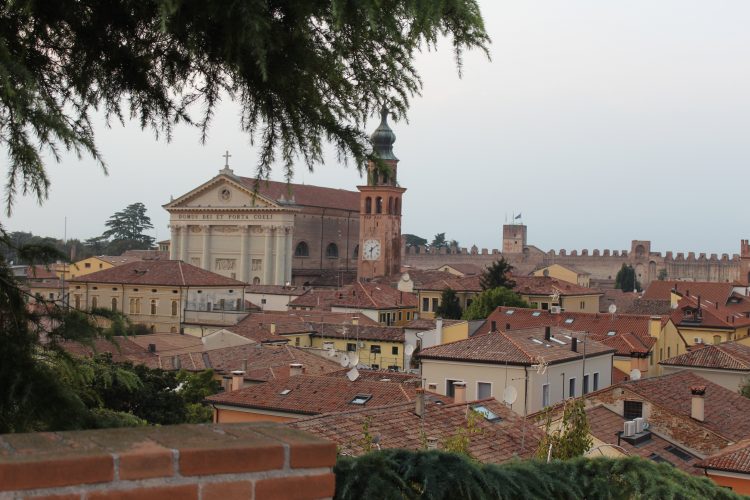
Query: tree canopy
point(571, 438)
point(498, 274)
point(625, 279)
point(439, 241)
point(449, 307)
point(489, 300)
point(412, 240)
point(302, 71)
point(127, 227)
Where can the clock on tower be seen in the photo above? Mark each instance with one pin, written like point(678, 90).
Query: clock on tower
point(380, 209)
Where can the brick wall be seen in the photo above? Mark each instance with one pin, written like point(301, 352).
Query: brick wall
point(173, 462)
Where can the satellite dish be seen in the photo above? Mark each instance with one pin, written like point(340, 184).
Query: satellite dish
point(635, 374)
point(510, 394)
point(354, 360)
point(344, 360)
point(409, 350)
point(612, 309)
point(352, 374)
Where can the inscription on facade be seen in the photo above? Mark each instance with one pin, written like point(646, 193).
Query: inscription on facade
point(225, 217)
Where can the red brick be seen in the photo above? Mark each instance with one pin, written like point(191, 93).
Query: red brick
point(184, 492)
point(72, 470)
point(70, 496)
point(146, 460)
point(227, 491)
point(197, 461)
point(305, 450)
point(296, 488)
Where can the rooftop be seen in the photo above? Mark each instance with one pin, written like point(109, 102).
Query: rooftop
point(545, 285)
point(361, 295)
point(733, 458)
point(275, 289)
point(304, 194)
point(456, 283)
point(724, 356)
point(159, 272)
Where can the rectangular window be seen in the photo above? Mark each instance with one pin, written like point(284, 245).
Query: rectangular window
point(434, 305)
point(450, 389)
point(586, 384)
point(351, 347)
point(394, 350)
point(484, 390)
point(596, 381)
point(583, 305)
point(425, 304)
point(572, 388)
point(375, 367)
point(432, 387)
point(87, 265)
point(545, 306)
point(375, 349)
point(382, 317)
point(545, 395)
point(296, 341)
point(257, 264)
point(632, 409)
point(408, 316)
point(669, 352)
point(399, 315)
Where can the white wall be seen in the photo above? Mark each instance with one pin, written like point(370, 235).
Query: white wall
point(273, 302)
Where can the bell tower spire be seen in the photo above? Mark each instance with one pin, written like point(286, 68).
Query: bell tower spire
point(380, 208)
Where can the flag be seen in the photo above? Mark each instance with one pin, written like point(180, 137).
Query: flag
point(517, 216)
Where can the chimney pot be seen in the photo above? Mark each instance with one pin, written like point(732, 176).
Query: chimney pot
point(432, 443)
point(176, 362)
point(493, 326)
point(152, 348)
point(507, 327)
point(459, 392)
point(238, 379)
point(295, 369)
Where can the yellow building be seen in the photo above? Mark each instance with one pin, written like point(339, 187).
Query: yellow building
point(546, 293)
point(162, 295)
point(92, 265)
point(429, 295)
point(377, 347)
point(565, 273)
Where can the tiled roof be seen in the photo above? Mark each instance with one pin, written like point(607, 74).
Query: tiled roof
point(733, 458)
point(312, 395)
point(360, 295)
point(121, 348)
point(517, 347)
point(725, 411)
point(118, 260)
point(362, 332)
point(713, 315)
point(467, 269)
point(457, 283)
point(272, 326)
point(399, 427)
point(40, 271)
point(304, 195)
point(710, 291)
point(275, 289)
point(619, 375)
point(320, 300)
point(610, 329)
point(422, 276)
point(622, 300)
point(545, 285)
point(430, 324)
point(379, 375)
point(159, 272)
point(604, 425)
point(649, 307)
point(725, 356)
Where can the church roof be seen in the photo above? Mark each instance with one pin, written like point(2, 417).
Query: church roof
point(304, 195)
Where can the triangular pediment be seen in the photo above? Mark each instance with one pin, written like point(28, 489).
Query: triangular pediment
point(222, 192)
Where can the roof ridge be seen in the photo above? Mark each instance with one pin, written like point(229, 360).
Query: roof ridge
point(531, 358)
point(732, 356)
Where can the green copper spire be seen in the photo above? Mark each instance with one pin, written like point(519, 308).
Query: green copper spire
point(383, 138)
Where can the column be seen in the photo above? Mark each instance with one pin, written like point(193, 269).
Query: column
point(173, 237)
point(288, 255)
point(184, 230)
point(279, 245)
point(244, 257)
point(267, 266)
point(206, 258)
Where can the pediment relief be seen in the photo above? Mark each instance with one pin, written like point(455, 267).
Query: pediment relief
point(221, 192)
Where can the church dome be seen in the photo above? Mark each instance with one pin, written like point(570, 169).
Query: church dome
point(383, 138)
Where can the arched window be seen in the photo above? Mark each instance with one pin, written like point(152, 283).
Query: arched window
point(368, 205)
point(390, 205)
point(332, 251)
point(302, 250)
point(256, 281)
point(356, 251)
point(378, 205)
point(94, 302)
point(173, 329)
point(153, 306)
point(174, 308)
point(114, 303)
point(397, 207)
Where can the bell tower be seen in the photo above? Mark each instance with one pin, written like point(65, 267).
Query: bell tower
point(380, 209)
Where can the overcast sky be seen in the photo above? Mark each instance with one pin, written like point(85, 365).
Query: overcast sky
point(601, 122)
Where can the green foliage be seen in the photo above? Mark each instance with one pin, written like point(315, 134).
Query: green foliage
point(439, 241)
point(22, 243)
point(497, 275)
point(368, 439)
point(489, 300)
point(625, 279)
point(303, 71)
point(127, 227)
point(412, 240)
point(570, 438)
point(460, 442)
point(437, 475)
point(449, 307)
point(104, 418)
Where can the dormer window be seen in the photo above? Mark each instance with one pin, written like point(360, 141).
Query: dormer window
point(361, 399)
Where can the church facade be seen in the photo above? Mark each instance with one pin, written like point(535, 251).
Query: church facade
point(273, 233)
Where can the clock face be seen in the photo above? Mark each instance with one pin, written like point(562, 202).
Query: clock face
point(371, 250)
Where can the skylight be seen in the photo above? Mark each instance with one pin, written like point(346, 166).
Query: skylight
point(611, 333)
point(553, 339)
point(568, 321)
point(536, 313)
point(488, 414)
point(537, 341)
point(361, 399)
point(510, 311)
point(285, 392)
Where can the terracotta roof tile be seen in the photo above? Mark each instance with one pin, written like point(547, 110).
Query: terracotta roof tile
point(372, 296)
point(466, 268)
point(457, 283)
point(545, 285)
point(275, 289)
point(725, 356)
point(389, 334)
point(304, 195)
point(430, 324)
point(733, 458)
point(399, 427)
point(159, 272)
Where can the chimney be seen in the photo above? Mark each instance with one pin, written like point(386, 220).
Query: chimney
point(432, 443)
point(547, 333)
point(574, 344)
point(507, 327)
point(493, 326)
point(273, 328)
point(459, 392)
point(295, 369)
point(355, 320)
point(176, 362)
point(238, 379)
point(698, 404)
point(152, 348)
point(419, 403)
point(439, 328)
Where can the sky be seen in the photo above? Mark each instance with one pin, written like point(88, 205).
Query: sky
point(600, 122)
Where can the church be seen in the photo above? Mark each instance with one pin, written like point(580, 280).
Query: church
point(275, 233)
